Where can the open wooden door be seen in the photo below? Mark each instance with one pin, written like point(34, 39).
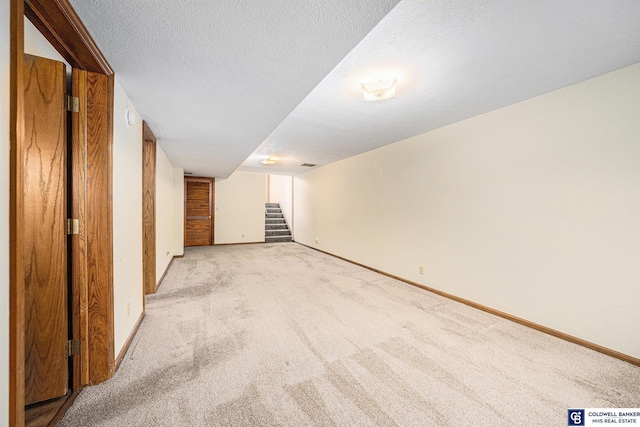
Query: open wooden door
point(198, 211)
point(45, 243)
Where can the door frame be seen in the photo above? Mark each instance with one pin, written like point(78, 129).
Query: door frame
point(59, 23)
point(212, 205)
point(148, 210)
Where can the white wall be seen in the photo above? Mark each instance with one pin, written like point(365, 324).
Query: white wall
point(240, 210)
point(281, 191)
point(36, 44)
point(127, 219)
point(4, 212)
point(532, 209)
point(178, 211)
point(164, 212)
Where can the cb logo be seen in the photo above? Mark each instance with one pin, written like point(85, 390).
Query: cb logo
point(576, 417)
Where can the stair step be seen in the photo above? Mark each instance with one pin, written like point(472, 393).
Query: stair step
point(273, 239)
point(274, 210)
point(272, 205)
point(277, 232)
point(274, 221)
point(282, 226)
point(274, 215)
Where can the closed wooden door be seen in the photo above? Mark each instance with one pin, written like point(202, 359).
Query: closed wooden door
point(198, 211)
point(45, 245)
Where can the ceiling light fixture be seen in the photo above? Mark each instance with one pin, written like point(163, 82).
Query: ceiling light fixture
point(269, 161)
point(377, 91)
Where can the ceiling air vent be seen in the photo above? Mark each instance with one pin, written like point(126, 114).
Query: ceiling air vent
point(188, 173)
point(307, 165)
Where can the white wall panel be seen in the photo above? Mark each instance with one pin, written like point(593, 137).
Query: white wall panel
point(127, 219)
point(531, 209)
point(165, 223)
point(240, 210)
point(178, 211)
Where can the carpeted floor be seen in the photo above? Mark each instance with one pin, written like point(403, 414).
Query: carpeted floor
point(279, 334)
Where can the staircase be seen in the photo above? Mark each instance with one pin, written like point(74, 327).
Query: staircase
point(275, 226)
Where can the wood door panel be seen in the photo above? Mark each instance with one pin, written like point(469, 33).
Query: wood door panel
point(45, 249)
point(198, 199)
point(198, 232)
point(148, 209)
point(99, 197)
point(199, 196)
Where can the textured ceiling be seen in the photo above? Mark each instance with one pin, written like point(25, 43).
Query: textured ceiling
point(220, 80)
point(453, 60)
point(214, 78)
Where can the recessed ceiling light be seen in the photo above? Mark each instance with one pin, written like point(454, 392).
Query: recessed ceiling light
point(377, 91)
point(269, 161)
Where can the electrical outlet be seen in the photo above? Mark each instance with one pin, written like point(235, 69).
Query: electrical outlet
point(421, 270)
point(243, 236)
point(317, 241)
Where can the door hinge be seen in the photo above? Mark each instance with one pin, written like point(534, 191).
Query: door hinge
point(73, 104)
point(73, 226)
point(72, 347)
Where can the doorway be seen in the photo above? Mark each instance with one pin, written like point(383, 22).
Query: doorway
point(199, 196)
point(90, 305)
point(148, 210)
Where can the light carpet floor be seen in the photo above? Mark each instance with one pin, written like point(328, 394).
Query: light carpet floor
point(282, 335)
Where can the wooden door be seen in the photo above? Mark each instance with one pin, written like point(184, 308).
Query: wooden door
point(45, 243)
point(198, 211)
point(148, 210)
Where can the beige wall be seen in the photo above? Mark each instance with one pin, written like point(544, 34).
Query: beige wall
point(164, 212)
point(281, 191)
point(178, 211)
point(239, 216)
point(532, 209)
point(127, 219)
point(36, 44)
point(4, 212)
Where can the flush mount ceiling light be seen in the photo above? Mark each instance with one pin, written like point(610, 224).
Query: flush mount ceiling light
point(377, 91)
point(269, 161)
